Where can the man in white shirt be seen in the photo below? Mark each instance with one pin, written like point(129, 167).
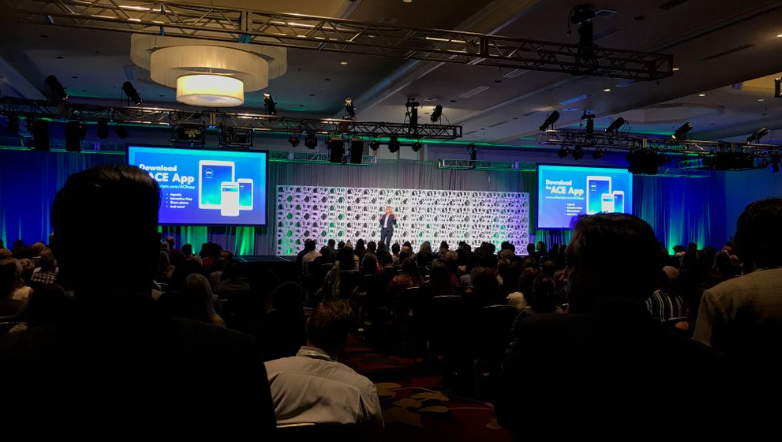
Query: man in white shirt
point(312, 387)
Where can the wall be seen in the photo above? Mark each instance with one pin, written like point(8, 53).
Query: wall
point(744, 187)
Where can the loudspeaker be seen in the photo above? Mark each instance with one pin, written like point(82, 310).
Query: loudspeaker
point(336, 150)
point(356, 151)
point(74, 132)
point(40, 130)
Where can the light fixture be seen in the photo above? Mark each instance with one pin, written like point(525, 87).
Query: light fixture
point(350, 111)
point(374, 145)
point(56, 89)
point(131, 92)
point(578, 153)
point(676, 69)
point(343, 63)
point(701, 95)
point(103, 129)
point(416, 146)
point(268, 104)
point(682, 131)
point(757, 135)
point(122, 132)
point(235, 137)
point(209, 90)
point(607, 90)
point(616, 125)
point(437, 113)
point(761, 99)
point(550, 120)
point(597, 154)
point(192, 135)
point(563, 151)
point(310, 140)
point(590, 125)
point(393, 144)
point(294, 140)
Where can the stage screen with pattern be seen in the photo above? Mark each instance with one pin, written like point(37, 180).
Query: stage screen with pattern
point(343, 213)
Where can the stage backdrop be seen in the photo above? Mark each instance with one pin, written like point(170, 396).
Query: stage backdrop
point(341, 213)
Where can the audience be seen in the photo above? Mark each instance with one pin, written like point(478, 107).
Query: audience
point(10, 277)
point(281, 331)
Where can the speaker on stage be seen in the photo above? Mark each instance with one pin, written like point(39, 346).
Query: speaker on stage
point(356, 151)
point(336, 150)
point(40, 131)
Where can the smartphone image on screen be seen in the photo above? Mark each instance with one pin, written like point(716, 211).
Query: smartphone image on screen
point(597, 186)
point(607, 203)
point(619, 201)
point(245, 193)
point(229, 205)
point(211, 175)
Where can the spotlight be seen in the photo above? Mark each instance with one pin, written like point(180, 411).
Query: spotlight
point(55, 87)
point(563, 152)
point(13, 124)
point(578, 153)
point(616, 125)
point(374, 145)
point(233, 137)
point(350, 111)
point(40, 131)
point(682, 131)
point(122, 132)
point(310, 140)
point(437, 113)
point(103, 129)
point(393, 144)
point(597, 154)
point(74, 132)
point(294, 140)
point(268, 104)
point(131, 92)
point(757, 135)
point(192, 135)
point(550, 120)
point(416, 146)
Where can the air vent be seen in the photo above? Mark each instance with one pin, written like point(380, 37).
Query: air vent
point(515, 73)
point(498, 124)
point(605, 13)
point(727, 52)
point(474, 92)
point(672, 4)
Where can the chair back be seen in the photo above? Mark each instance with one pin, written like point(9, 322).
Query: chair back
point(309, 432)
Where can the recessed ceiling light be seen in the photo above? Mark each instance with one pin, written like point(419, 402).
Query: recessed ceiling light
point(407, 1)
point(675, 69)
point(607, 90)
point(761, 99)
point(779, 35)
point(701, 95)
point(343, 63)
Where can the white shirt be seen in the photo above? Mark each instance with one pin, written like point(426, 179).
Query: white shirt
point(311, 387)
point(385, 226)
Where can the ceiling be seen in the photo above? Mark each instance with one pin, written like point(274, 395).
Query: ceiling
point(725, 49)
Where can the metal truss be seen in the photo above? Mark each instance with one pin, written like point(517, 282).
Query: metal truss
point(313, 157)
point(667, 145)
point(486, 165)
point(336, 35)
point(170, 117)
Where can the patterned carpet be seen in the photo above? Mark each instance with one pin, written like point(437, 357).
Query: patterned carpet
point(415, 405)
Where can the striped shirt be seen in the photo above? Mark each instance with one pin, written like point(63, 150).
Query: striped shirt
point(664, 306)
point(311, 387)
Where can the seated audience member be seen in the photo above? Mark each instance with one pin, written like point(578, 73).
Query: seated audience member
point(332, 250)
point(47, 272)
point(113, 349)
point(10, 275)
point(541, 299)
point(372, 247)
point(309, 254)
point(44, 308)
point(313, 387)
point(395, 249)
point(425, 254)
point(346, 262)
point(197, 302)
point(18, 290)
point(665, 302)
point(325, 255)
point(441, 281)
point(282, 330)
point(369, 264)
point(28, 268)
point(230, 281)
point(607, 346)
point(742, 317)
point(484, 289)
point(408, 278)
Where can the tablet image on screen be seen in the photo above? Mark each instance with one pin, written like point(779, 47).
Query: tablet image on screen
point(211, 175)
point(245, 193)
point(597, 186)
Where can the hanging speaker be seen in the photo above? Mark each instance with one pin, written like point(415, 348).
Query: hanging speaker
point(356, 151)
point(336, 150)
point(40, 131)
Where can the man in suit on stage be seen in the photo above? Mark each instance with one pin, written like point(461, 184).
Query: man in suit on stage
point(387, 223)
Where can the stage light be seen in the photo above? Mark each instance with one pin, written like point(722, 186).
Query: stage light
point(233, 137)
point(597, 154)
point(578, 153)
point(74, 132)
point(563, 152)
point(192, 135)
point(55, 87)
point(102, 129)
point(437, 113)
point(393, 144)
point(757, 135)
point(682, 131)
point(122, 132)
point(268, 104)
point(374, 145)
point(590, 129)
point(13, 124)
point(550, 120)
point(350, 111)
point(416, 146)
point(131, 92)
point(294, 140)
point(616, 125)
point(310, 140)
